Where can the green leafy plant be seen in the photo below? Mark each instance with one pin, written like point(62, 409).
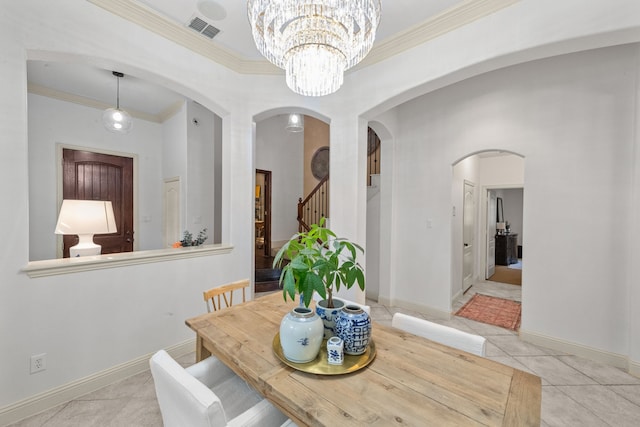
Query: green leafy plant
point(319, 262)
point(187, 239)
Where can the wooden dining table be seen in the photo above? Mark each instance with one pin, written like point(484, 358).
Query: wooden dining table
point(411, 381)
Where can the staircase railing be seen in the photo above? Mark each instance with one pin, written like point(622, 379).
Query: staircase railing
point(314, 206)
point(373, 154)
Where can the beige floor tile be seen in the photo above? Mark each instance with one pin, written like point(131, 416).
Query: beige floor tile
point(559, 410)
point(629, 392)
point(609, 406)
point(602, 374)
point(554, 371)
point(87, 413)
point(514, 346)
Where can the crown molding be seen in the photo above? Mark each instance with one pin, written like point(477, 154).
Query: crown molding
point(451, 19)
point(455, 17)
point(152, 21)
point(99, 105)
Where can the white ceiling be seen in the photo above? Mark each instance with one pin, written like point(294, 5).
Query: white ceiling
point(230, 17)
point(97, 87)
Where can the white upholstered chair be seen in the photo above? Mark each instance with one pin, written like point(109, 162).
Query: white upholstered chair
point(208, 394)
point(443, 334)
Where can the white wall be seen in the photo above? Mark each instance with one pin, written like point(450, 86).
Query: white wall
point(573, 118)
point(174, 158)
point(53, 122)
point(280, 152)
point(200, 171)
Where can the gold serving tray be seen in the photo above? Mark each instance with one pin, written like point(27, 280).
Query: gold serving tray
point(321, 366)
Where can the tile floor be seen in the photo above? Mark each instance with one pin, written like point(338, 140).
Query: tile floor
point(575, 391)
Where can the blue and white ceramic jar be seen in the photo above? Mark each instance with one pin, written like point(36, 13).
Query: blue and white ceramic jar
point(335, 355)
point(329, 315)
point(353, 326)
point(301, 334)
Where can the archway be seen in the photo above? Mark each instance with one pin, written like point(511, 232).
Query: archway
point(288, 158)
point(379, 214)
point(489, 173)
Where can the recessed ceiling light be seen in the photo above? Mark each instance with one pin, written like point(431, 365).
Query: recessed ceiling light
point(212, 10)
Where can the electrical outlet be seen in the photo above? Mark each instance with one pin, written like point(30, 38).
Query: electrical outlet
point(38, 363)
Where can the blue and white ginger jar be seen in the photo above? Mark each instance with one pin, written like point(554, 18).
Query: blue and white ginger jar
point(329, 316)
point(353, 326)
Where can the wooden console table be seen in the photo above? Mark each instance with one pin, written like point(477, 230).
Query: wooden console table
point(411, 382)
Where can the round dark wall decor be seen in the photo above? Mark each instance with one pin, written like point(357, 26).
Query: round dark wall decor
point(320, 163)
point(373, 142)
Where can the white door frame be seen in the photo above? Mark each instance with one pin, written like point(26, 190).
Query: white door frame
point(483, 220)
point(469, 213)
point(490, 231)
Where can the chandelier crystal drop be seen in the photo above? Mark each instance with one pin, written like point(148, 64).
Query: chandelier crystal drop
point(314, 41)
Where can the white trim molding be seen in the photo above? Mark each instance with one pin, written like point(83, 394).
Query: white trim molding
point(52, 267)
point(67, 392)
point(463, 13)
point(634, 368)
point(420, 308)
point(608, 358)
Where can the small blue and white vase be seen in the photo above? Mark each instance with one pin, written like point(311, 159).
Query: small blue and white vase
point(329, 315)
point(301, 334)
point(335, 355)
point(353, 326)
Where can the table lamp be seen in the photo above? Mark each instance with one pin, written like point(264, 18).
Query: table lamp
point(86, 218)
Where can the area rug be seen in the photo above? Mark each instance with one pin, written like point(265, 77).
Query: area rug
point(494, 311)
point(504, 274)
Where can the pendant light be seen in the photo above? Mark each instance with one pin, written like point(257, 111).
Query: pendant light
point(295, 122)
point(115, 119)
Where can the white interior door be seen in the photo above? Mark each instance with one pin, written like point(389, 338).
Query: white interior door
point(491, 234)
point(468, 232)
point(171, 232)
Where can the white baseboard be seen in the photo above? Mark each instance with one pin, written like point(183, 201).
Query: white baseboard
point(608, 358)
point(43, 401)
point(424, 309)
point(457, 295)
point(634, 368)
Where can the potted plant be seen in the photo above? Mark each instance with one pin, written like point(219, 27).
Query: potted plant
point(319, 262)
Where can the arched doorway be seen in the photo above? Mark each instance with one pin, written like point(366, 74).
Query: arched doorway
point(487, 192)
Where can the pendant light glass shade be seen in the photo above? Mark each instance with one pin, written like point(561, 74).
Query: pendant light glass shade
point(314, 41)
point(115, 119)
point(295, 123)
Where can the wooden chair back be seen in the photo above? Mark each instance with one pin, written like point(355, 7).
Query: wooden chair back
point(213, 297)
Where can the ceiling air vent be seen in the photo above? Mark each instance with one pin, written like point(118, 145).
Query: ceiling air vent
point(203, 27)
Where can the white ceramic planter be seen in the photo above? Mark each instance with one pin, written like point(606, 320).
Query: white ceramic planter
point(301, 334)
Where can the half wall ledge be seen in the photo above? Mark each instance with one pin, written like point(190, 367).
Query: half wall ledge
point(52, 267)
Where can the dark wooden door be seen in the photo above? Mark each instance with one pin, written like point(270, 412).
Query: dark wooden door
point(266, 202)
point(96, 176)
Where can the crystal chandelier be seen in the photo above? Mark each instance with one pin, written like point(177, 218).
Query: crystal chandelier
point(314, 41)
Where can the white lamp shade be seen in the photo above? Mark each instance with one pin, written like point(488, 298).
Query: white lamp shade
point(501, 226)
point(86, 217)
